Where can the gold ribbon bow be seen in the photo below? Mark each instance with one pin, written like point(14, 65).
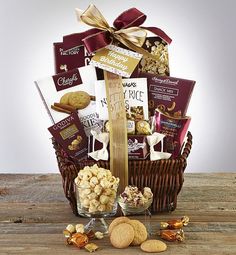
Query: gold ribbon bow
point(131, 37)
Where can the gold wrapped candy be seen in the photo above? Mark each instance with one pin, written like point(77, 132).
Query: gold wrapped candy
point(91, 247)
point(175, 224)
point(143, 128)
point(78, 239)
point(172, 235)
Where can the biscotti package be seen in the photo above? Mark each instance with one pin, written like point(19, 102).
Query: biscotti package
point(68, 92)
point(171, 95)
point(69, 133)
point(135, 96)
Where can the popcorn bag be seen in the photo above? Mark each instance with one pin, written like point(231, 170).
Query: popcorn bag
point(113, 103)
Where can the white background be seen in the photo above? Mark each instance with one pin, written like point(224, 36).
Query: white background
point(203, 49)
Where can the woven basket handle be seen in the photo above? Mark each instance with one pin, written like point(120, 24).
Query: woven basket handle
point(188, 146)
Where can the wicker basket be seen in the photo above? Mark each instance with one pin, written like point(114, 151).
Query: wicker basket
point(164, 177)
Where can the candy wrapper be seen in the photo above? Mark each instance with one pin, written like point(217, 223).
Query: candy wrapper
point(153, 140)
point(172, 235)
point(175, 130)
point(101, 154)
point(175, 224)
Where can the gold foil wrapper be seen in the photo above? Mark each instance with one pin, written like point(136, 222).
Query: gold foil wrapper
point(78, 239)
point(91, 247)
point(172, 235)
point(117, 128)
point(176, 223)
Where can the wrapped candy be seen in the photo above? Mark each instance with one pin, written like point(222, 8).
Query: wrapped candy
point(175, 224)
point(153, 140)
point(143, 128)
point(172, 235)
point(103, 138)
point(91, 247)
point(78, 239)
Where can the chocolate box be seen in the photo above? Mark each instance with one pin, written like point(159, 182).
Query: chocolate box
point(69, 133)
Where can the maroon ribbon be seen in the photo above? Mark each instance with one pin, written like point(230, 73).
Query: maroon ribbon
point(95, 39)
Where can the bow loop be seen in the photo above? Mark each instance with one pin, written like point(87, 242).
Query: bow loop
point(126, 29)
point(132, 17)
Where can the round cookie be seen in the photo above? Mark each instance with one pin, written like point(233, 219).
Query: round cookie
point(140, 232)
point(79, 99)
point(153, 246)
point(65, 98)
point(117, 221)
point(122, 235)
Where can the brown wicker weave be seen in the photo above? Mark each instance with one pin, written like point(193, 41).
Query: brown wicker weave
point(164, 177)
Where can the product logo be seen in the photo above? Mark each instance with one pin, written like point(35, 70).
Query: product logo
point(67, 79)
point(165, 81)
point(129, 84)
point(69, 52)
point(63, 81)
point(134, 145)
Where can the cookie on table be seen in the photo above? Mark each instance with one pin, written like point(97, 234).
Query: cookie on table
point(153, 246)
point(140, 232)
point(117, 221)
point(122, 235)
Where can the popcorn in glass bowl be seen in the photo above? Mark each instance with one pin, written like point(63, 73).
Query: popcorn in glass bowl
point(133, 201)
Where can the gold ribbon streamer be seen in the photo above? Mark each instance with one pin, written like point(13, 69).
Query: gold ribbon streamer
point(132, 37)
point(118, 128)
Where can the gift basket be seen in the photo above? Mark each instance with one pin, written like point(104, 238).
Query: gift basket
point(115, 106)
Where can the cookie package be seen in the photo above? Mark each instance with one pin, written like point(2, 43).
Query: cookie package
point(69, 133)
point(69, 92)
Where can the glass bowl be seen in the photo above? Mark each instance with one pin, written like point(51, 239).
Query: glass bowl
point(128, 208)
point(96, 207)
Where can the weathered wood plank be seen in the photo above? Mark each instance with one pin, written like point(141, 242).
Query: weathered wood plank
point(38, 202)
point(197, 243)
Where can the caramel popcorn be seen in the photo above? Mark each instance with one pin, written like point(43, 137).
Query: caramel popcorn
point(96, 189)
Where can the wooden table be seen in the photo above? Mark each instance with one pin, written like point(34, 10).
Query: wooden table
point(33, 213)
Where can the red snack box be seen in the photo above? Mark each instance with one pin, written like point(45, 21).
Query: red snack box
point(171, 95)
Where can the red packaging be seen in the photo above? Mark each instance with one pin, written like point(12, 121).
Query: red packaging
point(69, 133)
point(69, 59)
point(137, 147)
point(175, 130)
point(171, 95)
